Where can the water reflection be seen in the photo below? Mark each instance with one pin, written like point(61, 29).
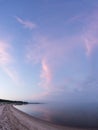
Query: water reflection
point(78, 115)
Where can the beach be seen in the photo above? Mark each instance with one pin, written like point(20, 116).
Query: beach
point(14, 119)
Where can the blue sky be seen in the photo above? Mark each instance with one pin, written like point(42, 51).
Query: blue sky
point(49, 50)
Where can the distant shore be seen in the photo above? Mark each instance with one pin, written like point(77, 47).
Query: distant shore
point(14, 119)
point(12, 102)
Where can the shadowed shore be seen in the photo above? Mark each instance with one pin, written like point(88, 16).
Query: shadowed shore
point(14, 119)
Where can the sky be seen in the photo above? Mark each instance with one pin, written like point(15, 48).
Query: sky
point(49, 50)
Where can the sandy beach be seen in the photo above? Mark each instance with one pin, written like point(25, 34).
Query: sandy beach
point(14, 119)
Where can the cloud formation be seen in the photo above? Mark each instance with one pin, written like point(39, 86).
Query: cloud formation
point(13, 74)
point(5, 57)
point(65, 57)
point(45, 75)
point(51, 55)
point(90, 35)
point(27, 24)
point(7, 61)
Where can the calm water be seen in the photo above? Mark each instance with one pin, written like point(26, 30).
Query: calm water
point(80, 115)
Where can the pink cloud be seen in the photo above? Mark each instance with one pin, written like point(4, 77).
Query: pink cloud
point(90, 27)
point(90, 36)
point(52, 50)
point(7, 60)
point(50, 54)
point(26, 24)
point(45, 75)
point(13, 74)
point(45, 71)
point(5, 57)
point(89, 47)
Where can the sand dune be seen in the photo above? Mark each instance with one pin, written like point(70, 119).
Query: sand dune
point(13, 119)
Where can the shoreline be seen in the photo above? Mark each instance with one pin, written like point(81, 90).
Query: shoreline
point(12, 118)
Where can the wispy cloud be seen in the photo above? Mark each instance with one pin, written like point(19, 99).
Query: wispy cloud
point(90, 35)
point(5, 57)
point(45, 71)
point(13, 74)
point(45, 75)
point(51, 55)
point(90, 30)
point(7, 61)
point(50, 50)
point(70, 52)
point(26, 23)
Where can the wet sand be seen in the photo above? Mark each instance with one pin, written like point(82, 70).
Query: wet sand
point(14, 119)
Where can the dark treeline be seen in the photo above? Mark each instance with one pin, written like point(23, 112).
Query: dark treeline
point(14, 102)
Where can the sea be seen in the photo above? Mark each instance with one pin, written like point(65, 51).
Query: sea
point(84, 115)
